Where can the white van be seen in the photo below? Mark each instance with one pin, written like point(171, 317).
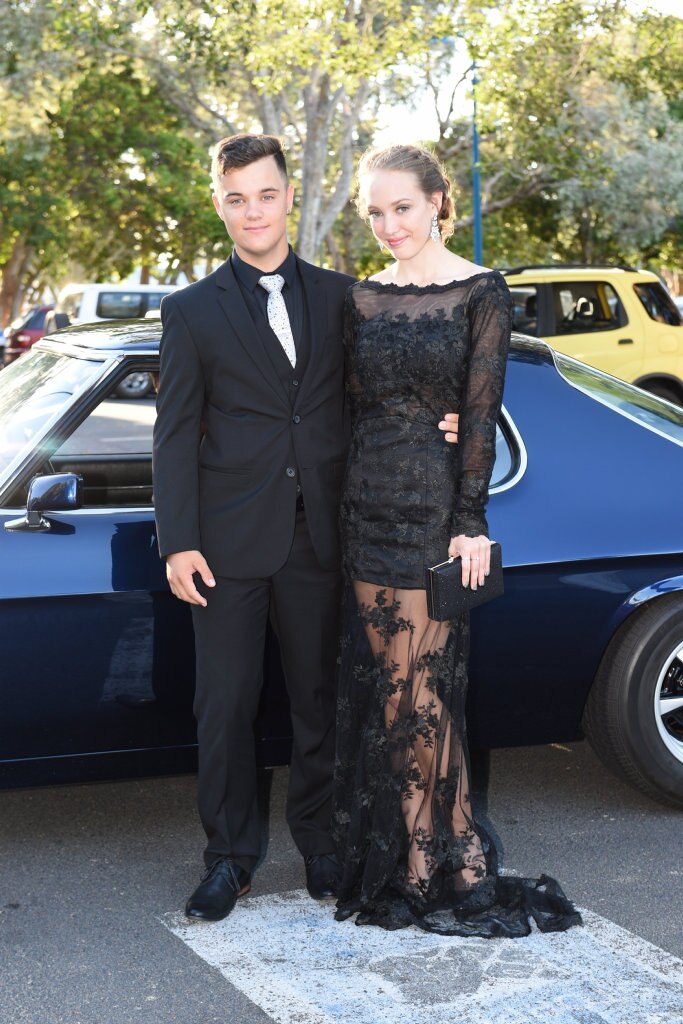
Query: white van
point(88, 303)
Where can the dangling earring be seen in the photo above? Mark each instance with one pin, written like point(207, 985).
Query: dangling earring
point(381, 245)
point(435, 234)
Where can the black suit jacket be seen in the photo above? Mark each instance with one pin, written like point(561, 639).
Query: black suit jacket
point(229, 444)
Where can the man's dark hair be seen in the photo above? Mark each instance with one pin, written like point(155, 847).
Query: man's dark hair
point(242, 150)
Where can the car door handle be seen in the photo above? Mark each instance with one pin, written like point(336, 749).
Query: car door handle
point(625, 341)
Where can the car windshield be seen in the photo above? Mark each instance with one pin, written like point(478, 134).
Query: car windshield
point(33, 392)
point(658, 304)
point(631, 401)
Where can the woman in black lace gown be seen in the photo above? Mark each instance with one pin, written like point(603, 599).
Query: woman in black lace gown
point(429, 333)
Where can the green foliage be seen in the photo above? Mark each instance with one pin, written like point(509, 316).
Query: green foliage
point(103, 179)
point(577, 107)
point(108, 113)
point(128, 164)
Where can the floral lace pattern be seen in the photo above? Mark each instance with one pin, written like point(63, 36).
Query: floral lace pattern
point(410, 847)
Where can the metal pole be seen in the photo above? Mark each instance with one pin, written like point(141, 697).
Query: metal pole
point(476, 179)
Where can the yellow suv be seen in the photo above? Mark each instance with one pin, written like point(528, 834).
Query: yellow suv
point(618, 319)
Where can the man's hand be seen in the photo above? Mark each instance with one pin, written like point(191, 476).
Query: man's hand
point(450, 424)
point(475, 555)
point(179, 569)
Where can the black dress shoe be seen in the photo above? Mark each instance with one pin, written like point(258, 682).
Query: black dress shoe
point(323, 875)
point(217, 893)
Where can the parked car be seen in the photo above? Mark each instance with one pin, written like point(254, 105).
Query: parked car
point(96, 676)
point(621, 320)
point(88, 303)
point(23, 332)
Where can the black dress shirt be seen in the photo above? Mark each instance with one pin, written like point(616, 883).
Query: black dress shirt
point(256, 297)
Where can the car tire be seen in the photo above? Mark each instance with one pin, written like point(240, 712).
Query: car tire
point(627, 721)
point(671, 394)
point(135, 385)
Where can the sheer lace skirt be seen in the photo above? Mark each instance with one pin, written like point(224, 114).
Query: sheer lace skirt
point(410, 847)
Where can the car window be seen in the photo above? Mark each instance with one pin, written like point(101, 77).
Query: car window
point(657, 303)
point(631, 401)
point(36, 320)
point(583, 306)
point(70, 305)
point(154, 300)
point(112, 450)
point(525, 308)
point(120, 305)
point(506, 459)
point(33, 391)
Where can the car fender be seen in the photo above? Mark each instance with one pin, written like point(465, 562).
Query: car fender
point(624, 613)
point(637, 600)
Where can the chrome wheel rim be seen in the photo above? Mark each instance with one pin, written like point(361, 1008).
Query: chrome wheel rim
point(668, 703)
point(135, 383)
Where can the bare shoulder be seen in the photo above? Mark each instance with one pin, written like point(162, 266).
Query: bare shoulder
point(461, 269)
point(386, 276)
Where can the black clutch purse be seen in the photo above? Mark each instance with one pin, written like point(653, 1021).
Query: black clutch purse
point(446, 596)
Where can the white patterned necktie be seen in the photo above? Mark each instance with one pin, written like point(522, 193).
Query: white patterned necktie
point(278, 318)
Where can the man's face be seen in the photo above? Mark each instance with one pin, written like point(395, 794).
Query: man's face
point(253, 203)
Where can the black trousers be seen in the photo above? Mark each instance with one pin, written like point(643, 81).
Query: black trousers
point(302, 600)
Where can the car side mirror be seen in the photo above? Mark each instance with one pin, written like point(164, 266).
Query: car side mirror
point(58, 492)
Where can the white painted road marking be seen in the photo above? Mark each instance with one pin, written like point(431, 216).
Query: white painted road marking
point(293, 960)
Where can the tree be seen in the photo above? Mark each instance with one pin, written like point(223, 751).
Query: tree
point(626, 189)
point(577, 105)
point(526, 60)
point(139, 183)
point(109, 112)
point(97, 168)
point(306, 69)
point(29, 210)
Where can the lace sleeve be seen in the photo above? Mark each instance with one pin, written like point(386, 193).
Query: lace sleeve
point(490, 323)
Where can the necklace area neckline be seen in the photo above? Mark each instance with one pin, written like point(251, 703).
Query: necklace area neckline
point(393, 286)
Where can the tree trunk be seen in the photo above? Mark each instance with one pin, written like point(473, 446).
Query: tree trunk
point(188, 270)
point(348, 218)
point(10, 294)
point(339, 197)
point(333, 249)
point(586, 236)
point(319, 107)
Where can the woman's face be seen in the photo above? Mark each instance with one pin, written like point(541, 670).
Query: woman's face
point(399, 212)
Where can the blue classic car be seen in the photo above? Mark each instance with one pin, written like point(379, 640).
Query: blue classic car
point(97, 663)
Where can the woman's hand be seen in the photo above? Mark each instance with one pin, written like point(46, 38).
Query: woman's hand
point(475, 554)
point(449, 426)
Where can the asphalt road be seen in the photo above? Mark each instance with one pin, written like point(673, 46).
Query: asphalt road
point(91, 876)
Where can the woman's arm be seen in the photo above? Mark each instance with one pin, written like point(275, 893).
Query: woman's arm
point(490, 324)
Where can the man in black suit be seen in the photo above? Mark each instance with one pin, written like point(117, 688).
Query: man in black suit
point(250, 445)
point(249, 451)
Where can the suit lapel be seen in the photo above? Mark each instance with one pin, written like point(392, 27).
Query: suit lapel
point(243, 328)
point(318, 313)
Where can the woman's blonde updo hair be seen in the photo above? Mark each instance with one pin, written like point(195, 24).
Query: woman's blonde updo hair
point(429, 174)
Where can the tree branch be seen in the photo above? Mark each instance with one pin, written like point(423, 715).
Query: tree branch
point(342, 189)
point(528, 188)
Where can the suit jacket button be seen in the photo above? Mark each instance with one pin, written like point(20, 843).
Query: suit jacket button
point(295, 383)
point(296, 419)
point(291, 471)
